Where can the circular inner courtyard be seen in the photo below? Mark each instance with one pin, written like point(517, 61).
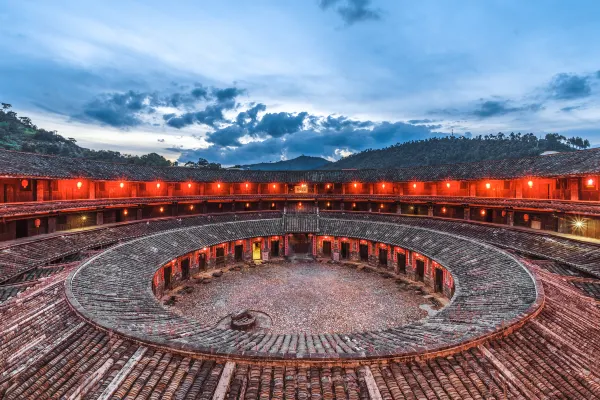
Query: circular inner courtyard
point(308, 297)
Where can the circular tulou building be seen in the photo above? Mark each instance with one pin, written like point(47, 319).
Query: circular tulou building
point(466, 281)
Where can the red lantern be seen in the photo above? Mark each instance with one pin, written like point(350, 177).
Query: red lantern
point(37, 222)
point(24, 183)
point(526, 217)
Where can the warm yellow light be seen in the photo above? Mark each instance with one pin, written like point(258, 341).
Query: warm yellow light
point(218, 186)
point(383, 185)
point(590, 182)
point(530, 184)
point(189, 185)
point(381, 206)
point(444, 210)
point(162, 209)
point(246, 186)
point(272, 204)
point(482, 212)
point(355, 185)
point(79, 185)
point(158, 185)
point(303, 185)
point(414, 185)
point(488, 185)
point(84, 218)
point(125, 212)
point(191, 207)
point(327, 204)
point(354, 205)
point(328, 186)
point(274, 186)
point(448, 185)
point(299, 204)
point(121, 185)
point(247, 205)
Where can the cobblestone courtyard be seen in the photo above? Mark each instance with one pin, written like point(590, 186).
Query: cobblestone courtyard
point(306, 297)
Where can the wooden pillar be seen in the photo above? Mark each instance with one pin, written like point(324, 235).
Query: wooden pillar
point(467, 215)
point(398, 208)
point(174, 209)
point(99, 218)
point(370, 207)
point(139, 214)
point(430, 211)
point(510, 218)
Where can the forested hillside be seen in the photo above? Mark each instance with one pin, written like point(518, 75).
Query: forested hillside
point(452, 149)
point(296, 164)
point(19, 133)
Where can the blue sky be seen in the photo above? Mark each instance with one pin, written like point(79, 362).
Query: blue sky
point(252, 81)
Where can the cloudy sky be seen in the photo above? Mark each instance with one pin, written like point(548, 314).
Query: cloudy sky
point(238, 81)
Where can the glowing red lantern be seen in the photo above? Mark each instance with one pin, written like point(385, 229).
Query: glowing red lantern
point(37, 222)
point(24, 183)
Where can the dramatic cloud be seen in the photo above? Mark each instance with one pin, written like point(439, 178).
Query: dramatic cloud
point(569, 86)
point(277, 125)
point(352, 11)
point(228, 136)
point(494, 108)
point(120, 109)
point(124, 110)
point(250, 116)
point(342, 122)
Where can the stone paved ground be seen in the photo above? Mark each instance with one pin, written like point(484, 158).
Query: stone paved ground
point(306, 297)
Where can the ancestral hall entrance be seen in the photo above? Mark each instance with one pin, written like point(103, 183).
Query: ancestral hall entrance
point(256, 251)
point(299, 243)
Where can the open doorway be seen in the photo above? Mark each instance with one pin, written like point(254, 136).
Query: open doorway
point(238, 252)
point(185, 269)
point(326, 248)
point(256, 251)
point(439, 280)
point(345, 253)
point(364, 252)
point(420, 270)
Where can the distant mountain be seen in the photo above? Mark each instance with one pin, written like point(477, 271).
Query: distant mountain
point(450, 150)
point(296, 164)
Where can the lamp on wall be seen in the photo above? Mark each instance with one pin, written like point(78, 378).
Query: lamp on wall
point(189, 185)
point(79, 185)
point(448, 185)
point(158, 185)
point(488, 185)
point(414, 185)
point(530, 184)
point(125, 212)
point(121, 185)
point(24, 183)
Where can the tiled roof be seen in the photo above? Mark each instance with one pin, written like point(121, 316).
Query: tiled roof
point(112, 291)
point(576, 163)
